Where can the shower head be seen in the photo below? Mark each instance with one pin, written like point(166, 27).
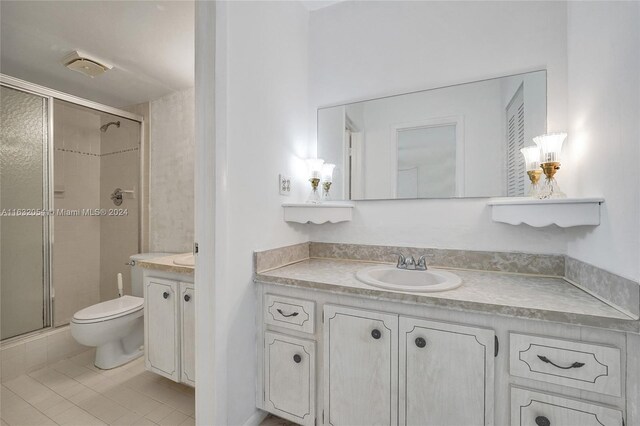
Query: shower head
point(104, 128)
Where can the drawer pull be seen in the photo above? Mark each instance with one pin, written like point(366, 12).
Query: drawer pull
point(542, 421)
point(294, 314)
point(548, 361)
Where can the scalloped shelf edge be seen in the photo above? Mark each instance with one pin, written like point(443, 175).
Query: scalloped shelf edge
point(332, 212)
point(564, 213)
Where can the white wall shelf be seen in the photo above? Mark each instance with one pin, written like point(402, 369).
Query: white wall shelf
point(332, 211)
point(564, 212)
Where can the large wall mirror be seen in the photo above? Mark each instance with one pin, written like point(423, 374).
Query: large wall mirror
point(456, 141)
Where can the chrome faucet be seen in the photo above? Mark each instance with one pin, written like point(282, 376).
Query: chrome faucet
point(421, 264)
point(410, 263)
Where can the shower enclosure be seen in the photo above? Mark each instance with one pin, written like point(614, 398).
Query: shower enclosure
point(70, 204)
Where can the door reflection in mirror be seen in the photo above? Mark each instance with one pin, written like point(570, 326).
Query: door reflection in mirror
point(456, 141)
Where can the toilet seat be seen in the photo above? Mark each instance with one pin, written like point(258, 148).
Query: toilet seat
point(110, 309)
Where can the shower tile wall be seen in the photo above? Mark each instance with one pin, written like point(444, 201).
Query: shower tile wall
point(89, 165)
point(143, 111)
point(76, 249)
point(119, 165)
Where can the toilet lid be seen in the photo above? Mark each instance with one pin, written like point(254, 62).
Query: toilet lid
point(111, 308)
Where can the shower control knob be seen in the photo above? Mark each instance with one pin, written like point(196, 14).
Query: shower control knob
point(187, 297)
point(165, 294)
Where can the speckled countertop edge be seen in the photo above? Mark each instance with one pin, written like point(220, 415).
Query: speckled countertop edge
point(166, 264)
point(343, 282)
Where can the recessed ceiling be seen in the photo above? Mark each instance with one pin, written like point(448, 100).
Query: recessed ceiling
point(149, 43)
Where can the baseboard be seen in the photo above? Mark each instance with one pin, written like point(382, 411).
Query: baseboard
point(256, 418)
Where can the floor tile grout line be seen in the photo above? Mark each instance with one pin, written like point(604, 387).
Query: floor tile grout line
point(67, 399)
point(31, 405)
point(73, 360)
point(172, 405)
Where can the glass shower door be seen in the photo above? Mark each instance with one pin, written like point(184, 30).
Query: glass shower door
point(24, 242)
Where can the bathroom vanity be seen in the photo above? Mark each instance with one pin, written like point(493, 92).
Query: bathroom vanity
point(169, 317)
point(503, 348)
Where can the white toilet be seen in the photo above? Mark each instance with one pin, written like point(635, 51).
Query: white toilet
point(115, 327)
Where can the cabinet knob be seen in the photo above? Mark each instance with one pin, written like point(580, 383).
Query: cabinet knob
point(297, 358)
point(165, 294)
point(420, 342)
point(542, 421)
point(187, 297)
point(375, 333)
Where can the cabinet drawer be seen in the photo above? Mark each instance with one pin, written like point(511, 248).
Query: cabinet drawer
point(294, 314)
point(586, 366)
point(289, 378)
point(529, 408)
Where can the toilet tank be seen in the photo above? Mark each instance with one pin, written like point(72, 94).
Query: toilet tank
point(136, 271)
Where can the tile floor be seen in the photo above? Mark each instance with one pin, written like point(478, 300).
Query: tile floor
point(74, 392)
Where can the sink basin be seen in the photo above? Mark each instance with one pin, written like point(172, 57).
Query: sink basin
point(392, 278)
point(185, 260)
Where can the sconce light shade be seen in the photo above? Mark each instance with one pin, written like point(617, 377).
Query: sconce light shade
point(550, 145)
point(327, 172)
point(315, 167)
point(531, 157)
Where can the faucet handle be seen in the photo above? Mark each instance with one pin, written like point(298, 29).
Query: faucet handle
point(422, 263)
point(402, 261)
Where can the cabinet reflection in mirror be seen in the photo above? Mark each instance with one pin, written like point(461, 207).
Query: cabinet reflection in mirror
point(455, 141)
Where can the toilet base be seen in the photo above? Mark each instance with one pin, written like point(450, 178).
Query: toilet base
point(119, 352)
point(112, 355)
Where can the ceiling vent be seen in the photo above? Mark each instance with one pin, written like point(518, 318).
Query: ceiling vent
point(85, 64)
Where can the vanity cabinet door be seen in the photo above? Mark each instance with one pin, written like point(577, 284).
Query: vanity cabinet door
point(188, 333)
point(360, 367)
point(161, 340)
point(446, 374)
point(289, 377)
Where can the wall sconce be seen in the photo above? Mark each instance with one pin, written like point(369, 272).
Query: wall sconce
point(315, 173)
point(532, 162)
point(550, 146)
point(327, 180)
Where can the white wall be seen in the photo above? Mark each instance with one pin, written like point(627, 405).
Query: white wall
point(332, 150)
point(171, 164)
point(262, 107)
point(604, 130)
point(360, 50)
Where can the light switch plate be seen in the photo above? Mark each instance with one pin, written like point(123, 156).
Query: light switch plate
point(284, 183)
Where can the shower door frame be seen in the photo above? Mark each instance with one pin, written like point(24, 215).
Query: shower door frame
point(48, 197)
